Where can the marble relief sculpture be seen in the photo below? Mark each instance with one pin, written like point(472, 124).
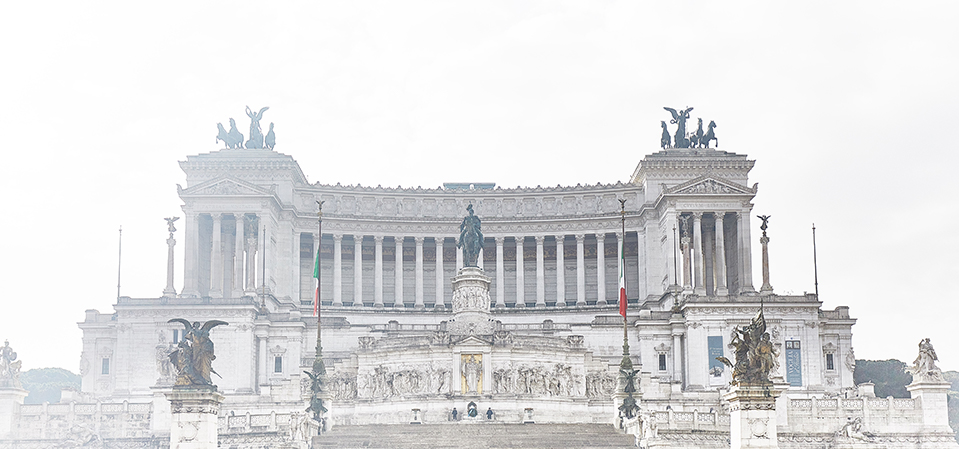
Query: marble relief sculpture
point(472, 372)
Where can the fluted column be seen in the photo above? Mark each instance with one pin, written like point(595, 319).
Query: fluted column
point(191, 255)
point(251, 250)
point(580, 269)
point(398, 274)
point(216, 258)
point(700, 287)
point(440, 302)
point(337, 269)
point(540, 272)
point(720, 263)
point(600, 269)
point(641, 264)
point(419, 273)
point(170, 291)
point(520, 274)
point(500, 274)
point(357, 271)
point(459, 259)
point(745, 252)
point(480, 256)
point(378, 271)
point(239, 238)
point(560, 272)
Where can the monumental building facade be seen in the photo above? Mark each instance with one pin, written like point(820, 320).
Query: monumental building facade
point(401, 346)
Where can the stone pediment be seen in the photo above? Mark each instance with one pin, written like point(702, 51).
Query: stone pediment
point(224, 186)
point(472, 341)
point(710, 185)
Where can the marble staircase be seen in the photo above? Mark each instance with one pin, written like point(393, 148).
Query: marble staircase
point(470, 435)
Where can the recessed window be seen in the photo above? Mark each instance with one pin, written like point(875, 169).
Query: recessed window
point(105, 366)
point(662, 362)
point(830, 364)
point(278, 364)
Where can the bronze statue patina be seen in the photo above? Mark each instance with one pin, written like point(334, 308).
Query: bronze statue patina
point(755, 353)
point(256, 134)
point(710, 135)
point(232, 138)
point(193, 357)
point(666, 140)
point(679, 118)
point(471, 238)
point(270, 140)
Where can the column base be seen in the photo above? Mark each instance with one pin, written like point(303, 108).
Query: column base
point(766, 289)
point(722, 291)
point(194, 417)
point(169, 293)
point(561, 304)
point(752, 418)
point(601, 302)
point(439, 306)
point(520, 305)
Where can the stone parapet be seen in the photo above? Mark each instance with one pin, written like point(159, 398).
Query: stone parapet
point(194, 417)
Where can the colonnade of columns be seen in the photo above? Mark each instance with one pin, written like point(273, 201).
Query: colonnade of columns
point(532, 294)
point(221, 254)
point(716, 259)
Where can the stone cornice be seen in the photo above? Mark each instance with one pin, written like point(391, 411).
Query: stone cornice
point(252, 164)
point(690, 162)
point(498, 191)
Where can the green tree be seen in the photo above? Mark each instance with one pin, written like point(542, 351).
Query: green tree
point(45, 384)
point(890, 376)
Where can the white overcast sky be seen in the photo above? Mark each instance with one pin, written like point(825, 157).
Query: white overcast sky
point(849, 109)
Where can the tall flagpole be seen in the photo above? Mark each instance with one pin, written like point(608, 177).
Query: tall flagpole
point(119, 259)
point(629, 408)
point(318, 375)
point(815, 267)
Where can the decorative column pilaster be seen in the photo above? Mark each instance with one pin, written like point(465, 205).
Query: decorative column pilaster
point(720, 262)
point(419, 273)
point(580, 269)
point(520, 274)
point(169, 291)
point(745, 252)
point(398, 273)
point(251, 250)
point(191, 246)
point(239, 240)
point(685, 240)
point(560, 272)
point(357, 271)
point(378, 271)
point(700, 287)
point(216, 258)
point(767, 287)
point(440, 302)
point(500, 274)
point(540, 272)
point(337, 269)
point(600, 269)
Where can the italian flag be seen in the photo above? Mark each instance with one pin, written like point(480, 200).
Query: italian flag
point(622, 278)
point(316, 275)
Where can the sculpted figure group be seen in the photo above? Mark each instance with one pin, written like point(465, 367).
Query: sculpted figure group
point(755, 353)
point(682, 139)
point(233, 139)
point(193, 357)
point(924, 367)
point(9, 367)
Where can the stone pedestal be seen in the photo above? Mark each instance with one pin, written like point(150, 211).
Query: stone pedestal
point(932, 396)
point(194, 417)
point(10, 401)
point(752, 417)
point(471, 303)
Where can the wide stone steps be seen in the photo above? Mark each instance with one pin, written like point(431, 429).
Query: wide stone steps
point(467, 435)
